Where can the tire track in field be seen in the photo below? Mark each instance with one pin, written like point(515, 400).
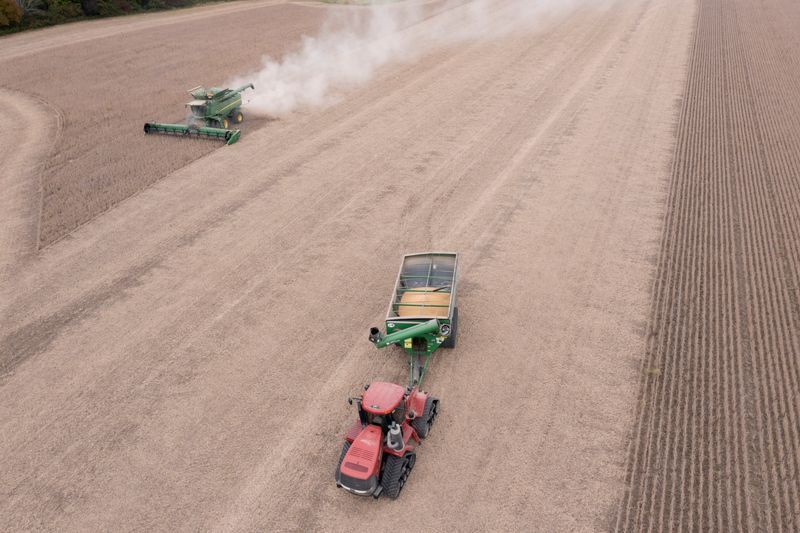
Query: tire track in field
point(717, 444)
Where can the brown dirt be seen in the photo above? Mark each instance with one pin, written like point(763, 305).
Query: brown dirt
point(110, 81)
point(717, 442)
point(23, 150)
point(182, 362)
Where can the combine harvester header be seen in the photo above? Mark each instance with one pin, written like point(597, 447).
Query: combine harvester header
point(212, 110)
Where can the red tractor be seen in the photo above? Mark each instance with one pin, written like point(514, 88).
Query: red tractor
point(379, 449)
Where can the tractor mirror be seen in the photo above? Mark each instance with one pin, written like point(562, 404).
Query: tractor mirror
point(350, 401)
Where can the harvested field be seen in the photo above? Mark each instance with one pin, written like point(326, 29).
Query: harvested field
point(23, 152)
point(717, 441)
point(110, 81)
point(182, 360)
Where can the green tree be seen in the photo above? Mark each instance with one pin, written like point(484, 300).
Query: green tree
point(89, 7)
point(10, 13)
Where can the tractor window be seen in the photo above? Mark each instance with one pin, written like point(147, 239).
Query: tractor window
point(198, 110)
point(399, 414)
point(378, 420)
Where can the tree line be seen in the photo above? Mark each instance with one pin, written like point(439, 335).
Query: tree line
point(21, 14)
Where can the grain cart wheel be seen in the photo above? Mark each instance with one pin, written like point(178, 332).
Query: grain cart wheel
point(422, 424)
point(395, 473)
point(238, 117)
point(450, 342)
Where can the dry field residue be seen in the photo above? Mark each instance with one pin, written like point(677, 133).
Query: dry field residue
point(183, 361)
point(717, 442)
point(107, 88)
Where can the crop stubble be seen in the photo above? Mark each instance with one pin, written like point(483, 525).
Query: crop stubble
point(717, 438)
point(106, 92)
point(181, 361)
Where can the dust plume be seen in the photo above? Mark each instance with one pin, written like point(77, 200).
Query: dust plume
point(356, 41)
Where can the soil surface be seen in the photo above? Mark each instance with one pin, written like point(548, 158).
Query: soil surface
point(108, 78)
point(717, 441)
point(182, 361)
point(24, 150)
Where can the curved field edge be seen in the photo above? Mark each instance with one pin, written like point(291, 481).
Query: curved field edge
point(24, 150)
point(70, 11)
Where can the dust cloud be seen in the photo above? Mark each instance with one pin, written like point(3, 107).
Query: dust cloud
point(357, 41)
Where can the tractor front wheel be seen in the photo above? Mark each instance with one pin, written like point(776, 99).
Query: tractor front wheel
point(422, 424)
point(395, 473)
point(223, 123)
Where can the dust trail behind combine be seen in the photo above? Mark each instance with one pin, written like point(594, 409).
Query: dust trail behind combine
point(354, 44)
point(718, 436)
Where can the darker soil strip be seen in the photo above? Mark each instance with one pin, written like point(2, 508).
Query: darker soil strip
point(716, 444)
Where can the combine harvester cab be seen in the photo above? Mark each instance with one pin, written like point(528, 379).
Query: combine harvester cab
point(211, 111)
point(380, 448)
point(216, 107)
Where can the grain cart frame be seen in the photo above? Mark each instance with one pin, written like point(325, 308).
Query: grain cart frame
point(423, 311)
point(380, 447)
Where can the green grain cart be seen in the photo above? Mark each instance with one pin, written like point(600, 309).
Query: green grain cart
point(422, 315)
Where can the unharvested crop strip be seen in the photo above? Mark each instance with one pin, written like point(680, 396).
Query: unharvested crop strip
point(716, 443)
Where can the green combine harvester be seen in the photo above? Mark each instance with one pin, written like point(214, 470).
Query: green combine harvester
point(211, 111)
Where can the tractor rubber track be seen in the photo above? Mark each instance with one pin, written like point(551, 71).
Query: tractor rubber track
point(717, 439)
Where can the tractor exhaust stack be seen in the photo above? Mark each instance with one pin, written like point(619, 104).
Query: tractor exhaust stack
point(394, 437)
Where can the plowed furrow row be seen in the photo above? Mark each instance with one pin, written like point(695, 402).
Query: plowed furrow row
point(717, 440)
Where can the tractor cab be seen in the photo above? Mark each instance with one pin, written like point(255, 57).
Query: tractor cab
point(383, 403)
